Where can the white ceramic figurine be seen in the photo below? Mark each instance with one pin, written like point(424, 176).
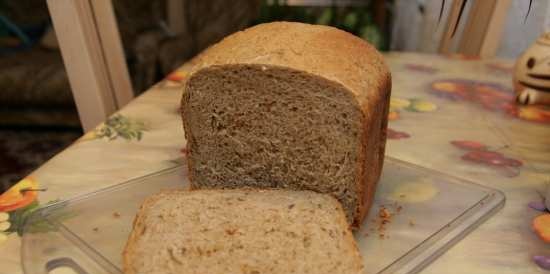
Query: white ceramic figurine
point(532, 73)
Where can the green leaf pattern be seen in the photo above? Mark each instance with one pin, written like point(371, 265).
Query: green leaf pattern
point(17, 219)
point(121, 126)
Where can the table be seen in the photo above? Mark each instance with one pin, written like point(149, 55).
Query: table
point(451, 113)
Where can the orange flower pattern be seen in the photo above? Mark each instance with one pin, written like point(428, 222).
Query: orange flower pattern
point(490, 96)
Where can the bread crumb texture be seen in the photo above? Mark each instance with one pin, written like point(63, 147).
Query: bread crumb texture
point(289, 105)
point(241, 231)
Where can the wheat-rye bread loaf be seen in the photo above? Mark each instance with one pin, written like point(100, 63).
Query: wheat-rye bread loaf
point(289, 105)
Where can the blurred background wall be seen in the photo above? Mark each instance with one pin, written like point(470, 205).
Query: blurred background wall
point(416, 28)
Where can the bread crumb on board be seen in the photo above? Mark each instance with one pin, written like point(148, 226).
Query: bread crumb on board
point(116, 214)
point(384, 213)
point(383, 219)
point(95, 229)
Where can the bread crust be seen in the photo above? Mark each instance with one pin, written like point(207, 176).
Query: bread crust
point(329, 53)
point(136, 229)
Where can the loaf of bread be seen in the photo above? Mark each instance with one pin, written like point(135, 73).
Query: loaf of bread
point(289, 105)
point(241, 231)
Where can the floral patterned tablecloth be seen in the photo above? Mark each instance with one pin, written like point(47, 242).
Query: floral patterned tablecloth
point(454, 113)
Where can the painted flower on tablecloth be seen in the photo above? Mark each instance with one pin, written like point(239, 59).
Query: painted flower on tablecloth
point(542, 261)
point(393, 115)
point(396, 135)
point(541, 227)
point(4, 226)
point(479, 153)
point(418, 190)
point(412, 105)
point(500, 68)
point(534, 113)
point(539, 206)
point(117, 126)
point(17, 204)
point(491, 96)
point(18, 196)
point(460, 56)
point(175, 79)
point(399, 103)
point(421, 68)
point(177, 76)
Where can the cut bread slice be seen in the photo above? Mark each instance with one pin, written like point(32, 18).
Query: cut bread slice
point(241, 231)
point(289, 105)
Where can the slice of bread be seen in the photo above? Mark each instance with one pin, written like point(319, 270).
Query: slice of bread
point(241, 231)
point(289, 105)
